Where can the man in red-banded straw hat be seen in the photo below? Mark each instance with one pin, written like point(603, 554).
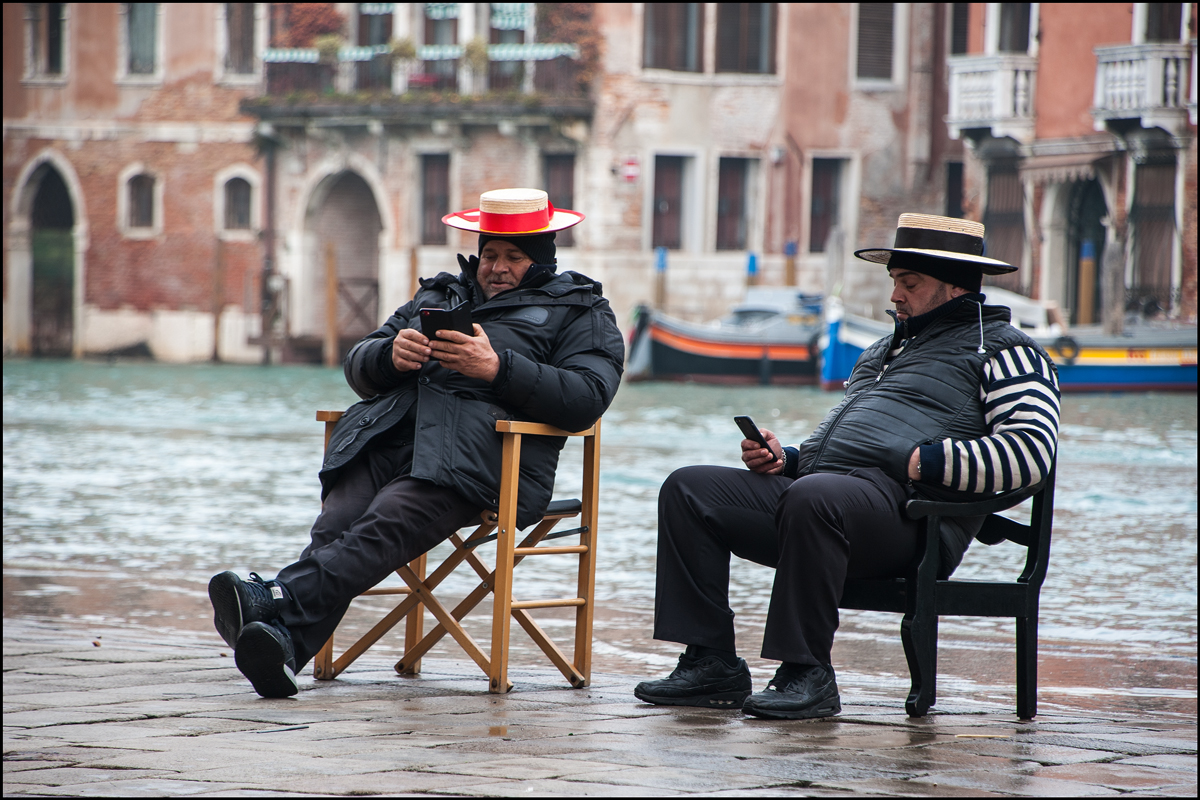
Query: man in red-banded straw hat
point(419, 457)
point(955, 403)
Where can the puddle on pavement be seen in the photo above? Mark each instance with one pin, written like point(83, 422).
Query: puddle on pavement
point(127, 485)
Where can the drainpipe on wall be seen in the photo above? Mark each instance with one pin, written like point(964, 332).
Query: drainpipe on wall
point(268, 142)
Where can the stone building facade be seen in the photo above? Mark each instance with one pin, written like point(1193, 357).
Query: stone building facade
point(1081, 140)
point(235, 190)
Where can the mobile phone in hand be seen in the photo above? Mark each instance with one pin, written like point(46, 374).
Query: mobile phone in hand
point(439, 319)
point(751, 432)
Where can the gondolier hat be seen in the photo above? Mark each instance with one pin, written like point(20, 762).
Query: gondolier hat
point(945, 244)
point(513, 212)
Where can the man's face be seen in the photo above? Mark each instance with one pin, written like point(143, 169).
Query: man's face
point(916, 293)
point(502, 265)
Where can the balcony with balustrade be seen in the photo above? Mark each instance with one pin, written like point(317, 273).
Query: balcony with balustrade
point(992, 95)
point(1146, 85)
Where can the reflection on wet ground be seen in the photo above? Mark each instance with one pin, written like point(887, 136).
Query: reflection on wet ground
point(127, 485)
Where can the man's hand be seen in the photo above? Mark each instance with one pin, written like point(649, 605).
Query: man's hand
point(473, 356)
point(758, 459)
point(410, 350)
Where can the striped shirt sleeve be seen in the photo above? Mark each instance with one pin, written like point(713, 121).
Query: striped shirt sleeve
point(1020, 396)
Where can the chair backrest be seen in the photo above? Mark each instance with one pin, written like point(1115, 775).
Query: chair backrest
point(1035, 536)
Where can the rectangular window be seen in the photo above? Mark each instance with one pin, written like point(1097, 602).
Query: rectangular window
point(560, 186)
point(374, 28)
point(45, 25)
point(141, 201)
point(876, 25)
point(954, 189)
point(142, 39)
point(668, 202)
point(507, 27)
point(826, 201)
point(1153, 218)
point(732, 177)
point(435, 197)
point(959, 18)
point(443, 73)
point(239, 30)
point(746, 37)
point(1163, 21)
point(673, 36)
point(1014, 27)
point(237, 204)
point(1004, 218)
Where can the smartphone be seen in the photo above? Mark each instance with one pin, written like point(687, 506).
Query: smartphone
point(439, 319)
point(751, 432)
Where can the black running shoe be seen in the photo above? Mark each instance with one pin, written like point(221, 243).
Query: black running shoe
point(704, 682)
point(806, 694)
point(236, 603)
point(264, 654)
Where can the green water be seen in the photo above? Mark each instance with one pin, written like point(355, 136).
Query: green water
point(127, 485)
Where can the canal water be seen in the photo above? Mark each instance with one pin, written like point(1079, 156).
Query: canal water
point(127, 485)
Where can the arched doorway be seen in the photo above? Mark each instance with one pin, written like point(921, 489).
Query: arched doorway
point(345, 225)
point(1085, 251)
point(52, 248)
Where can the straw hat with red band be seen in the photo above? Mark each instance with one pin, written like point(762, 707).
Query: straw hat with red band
point(942, 238)
point(513, 212)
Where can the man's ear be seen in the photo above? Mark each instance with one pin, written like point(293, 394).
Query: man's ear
point(958, 291)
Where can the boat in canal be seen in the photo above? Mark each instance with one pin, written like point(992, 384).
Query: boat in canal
point(782, 336)
point(1151, 355)
point(771, 337)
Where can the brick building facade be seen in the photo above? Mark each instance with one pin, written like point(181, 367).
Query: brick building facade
point(204, 179)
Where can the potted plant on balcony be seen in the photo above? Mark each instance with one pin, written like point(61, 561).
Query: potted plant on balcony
point(328, 45)
point(475, 57)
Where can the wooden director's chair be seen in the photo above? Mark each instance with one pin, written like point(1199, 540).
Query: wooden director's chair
point(498, 581)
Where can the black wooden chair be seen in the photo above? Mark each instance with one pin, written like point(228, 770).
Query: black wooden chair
point(922, 597)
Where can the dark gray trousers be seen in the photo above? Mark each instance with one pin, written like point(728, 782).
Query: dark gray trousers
point(815, 532)
point(374, 520)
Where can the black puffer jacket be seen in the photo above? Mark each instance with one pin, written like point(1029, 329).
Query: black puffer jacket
point(561, 358)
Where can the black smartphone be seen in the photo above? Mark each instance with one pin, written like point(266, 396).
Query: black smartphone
point(751, 432)
point(439, 319)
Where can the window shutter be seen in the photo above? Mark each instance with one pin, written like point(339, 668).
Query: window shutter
point(875, 30)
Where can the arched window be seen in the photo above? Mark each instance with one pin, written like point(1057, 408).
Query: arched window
point(141, 201)
point(237, 204)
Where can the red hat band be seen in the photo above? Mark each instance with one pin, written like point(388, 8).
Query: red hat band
point(527, 222)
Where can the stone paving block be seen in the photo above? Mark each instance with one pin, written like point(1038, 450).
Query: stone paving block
point(1180, 790)
point(559, 788)
point(1013, 782)
point(1039, 751)
point(71, 776)
point(44, 718)
point(526, 768)
point(1184, 763)
point(1114, 776)
point(149, 787)
point(1115, 745)
point(673, 778)
point(893, 787)
point(396, 782)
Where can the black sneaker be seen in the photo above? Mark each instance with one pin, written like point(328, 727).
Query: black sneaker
point(264, 654)
point(704, 682)
point(806, 694)
point(236, 603)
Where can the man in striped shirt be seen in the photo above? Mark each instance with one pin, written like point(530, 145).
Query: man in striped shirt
point(957, 403)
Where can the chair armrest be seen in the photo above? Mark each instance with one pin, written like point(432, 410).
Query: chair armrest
point(538, 429)
point(918, 509)
point(329, 416)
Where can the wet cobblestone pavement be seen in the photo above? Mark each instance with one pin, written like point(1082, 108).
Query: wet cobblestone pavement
point(127, 712)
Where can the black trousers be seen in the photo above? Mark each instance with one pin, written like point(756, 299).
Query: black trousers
point(374, 520)
point(815, 532)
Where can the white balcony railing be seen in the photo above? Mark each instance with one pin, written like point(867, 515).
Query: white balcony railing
point(993, 92)
point(1146, 82)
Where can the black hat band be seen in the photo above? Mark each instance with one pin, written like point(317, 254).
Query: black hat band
point(949, 241)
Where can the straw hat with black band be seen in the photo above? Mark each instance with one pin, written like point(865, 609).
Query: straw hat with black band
point(945, 248)
point(524, 217)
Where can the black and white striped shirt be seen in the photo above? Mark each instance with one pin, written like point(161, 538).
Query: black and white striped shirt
point(1020, 396)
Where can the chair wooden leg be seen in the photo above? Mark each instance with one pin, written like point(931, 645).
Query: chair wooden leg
point(323, 662)
point(415, 622)
point(505, 544)
point(587, 560)
point(1027, 666)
